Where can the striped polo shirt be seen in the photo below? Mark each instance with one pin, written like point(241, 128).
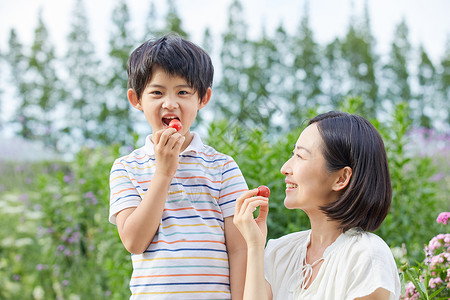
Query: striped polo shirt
point(187, 258)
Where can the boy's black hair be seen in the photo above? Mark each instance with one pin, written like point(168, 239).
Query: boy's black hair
point(176, 56)
point(351, 140)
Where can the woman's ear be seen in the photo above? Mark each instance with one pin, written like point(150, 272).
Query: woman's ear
point(343, 178)
point(134, 100)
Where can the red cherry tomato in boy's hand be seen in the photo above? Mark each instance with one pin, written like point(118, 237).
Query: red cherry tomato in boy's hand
point(263, 191)
point(175, 124)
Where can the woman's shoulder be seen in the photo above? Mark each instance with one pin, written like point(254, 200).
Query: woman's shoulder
point(370, 263)
point(362, 244)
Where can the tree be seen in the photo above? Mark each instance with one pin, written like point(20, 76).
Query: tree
point(358, 53)
point(18, 64)
point(1, 93)
point(425, 108)
point(306, 71)
point(234, 102)
point(173, 21)
point(83, 71)
point(334, 72)
point(43, 91)
point(151, 30)
point(282, 88)
point(115, 115)
point(397, 71)
point(444, 84)
point(259, 105)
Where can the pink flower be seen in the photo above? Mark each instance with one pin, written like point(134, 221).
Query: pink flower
point(434, 282)
point(443, 217)
point(410, 292)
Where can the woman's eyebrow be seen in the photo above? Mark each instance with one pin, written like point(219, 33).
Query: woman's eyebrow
point(302, 148)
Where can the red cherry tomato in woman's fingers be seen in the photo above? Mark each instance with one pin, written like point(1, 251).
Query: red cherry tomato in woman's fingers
point(263, 191)
point(175, 124)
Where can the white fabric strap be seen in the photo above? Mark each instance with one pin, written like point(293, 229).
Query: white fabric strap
point(305, 274)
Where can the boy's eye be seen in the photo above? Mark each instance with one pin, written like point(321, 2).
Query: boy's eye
point(155, 93)
point(183, 92)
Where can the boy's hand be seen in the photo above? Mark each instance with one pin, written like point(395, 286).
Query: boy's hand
point(168, 144)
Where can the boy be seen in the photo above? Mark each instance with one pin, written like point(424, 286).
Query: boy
point(173, 199)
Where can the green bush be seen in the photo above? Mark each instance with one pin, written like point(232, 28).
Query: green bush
point(56, 242)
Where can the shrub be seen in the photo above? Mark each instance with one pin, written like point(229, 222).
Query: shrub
point(430, 279)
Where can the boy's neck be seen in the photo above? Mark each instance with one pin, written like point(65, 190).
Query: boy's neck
point(189, 137)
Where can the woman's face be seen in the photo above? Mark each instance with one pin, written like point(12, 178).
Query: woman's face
point(308, 183)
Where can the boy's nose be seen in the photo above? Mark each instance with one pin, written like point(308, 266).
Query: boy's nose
point(170, 103)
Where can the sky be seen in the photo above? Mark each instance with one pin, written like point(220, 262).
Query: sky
point(428, 20)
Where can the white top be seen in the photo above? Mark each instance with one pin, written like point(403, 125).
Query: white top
point(187, 258)
point(355, 265)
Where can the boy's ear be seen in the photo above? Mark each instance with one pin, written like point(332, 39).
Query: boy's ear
point(343, 178)
point(133, 98)
point(205, 98)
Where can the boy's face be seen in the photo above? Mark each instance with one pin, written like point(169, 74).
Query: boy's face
point(167, 97)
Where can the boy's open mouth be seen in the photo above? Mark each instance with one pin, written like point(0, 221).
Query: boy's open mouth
point(166, 120)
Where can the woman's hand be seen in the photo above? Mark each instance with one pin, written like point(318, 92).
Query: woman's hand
point(168, 143)
point(254, 230)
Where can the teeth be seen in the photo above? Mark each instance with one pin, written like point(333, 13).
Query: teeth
point(291, 186)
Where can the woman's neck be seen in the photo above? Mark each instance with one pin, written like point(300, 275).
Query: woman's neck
point(323, 233)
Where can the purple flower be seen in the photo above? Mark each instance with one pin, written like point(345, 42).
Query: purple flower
point(67, 178)
point(23, 198)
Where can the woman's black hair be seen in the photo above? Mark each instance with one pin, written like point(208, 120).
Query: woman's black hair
point(351, 140)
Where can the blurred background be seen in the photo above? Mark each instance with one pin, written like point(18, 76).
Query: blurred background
point(64, 116)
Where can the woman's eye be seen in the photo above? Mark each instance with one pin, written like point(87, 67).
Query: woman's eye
point(297, 155)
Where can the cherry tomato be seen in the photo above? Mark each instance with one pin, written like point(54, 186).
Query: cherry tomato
point(263, 191)
point(175, 124)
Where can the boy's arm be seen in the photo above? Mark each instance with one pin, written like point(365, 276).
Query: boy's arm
point(137, 225)
point(237, 256)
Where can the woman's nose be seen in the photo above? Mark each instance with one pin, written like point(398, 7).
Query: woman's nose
point(285, 169)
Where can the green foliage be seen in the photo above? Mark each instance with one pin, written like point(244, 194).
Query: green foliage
point(260, 158)
point(414, 196)
point(56, 241)
point(430, 279)
point(62, 245)
point(414, 193)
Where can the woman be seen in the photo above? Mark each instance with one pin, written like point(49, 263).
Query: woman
point(338, 174)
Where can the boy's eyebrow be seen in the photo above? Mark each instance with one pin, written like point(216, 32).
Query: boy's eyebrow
point(161, 86)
